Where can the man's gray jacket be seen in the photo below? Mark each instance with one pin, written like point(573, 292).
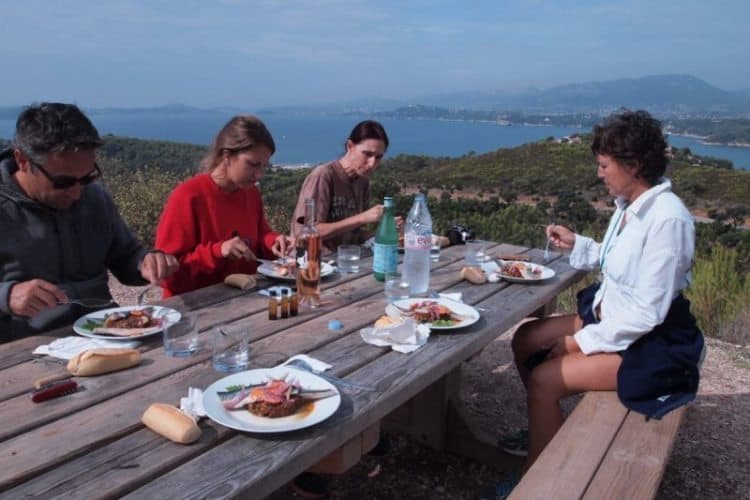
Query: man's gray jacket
point(71, 248)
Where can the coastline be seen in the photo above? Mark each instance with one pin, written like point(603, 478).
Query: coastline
point(702, 139)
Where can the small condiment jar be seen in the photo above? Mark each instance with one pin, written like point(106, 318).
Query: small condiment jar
point(285, 303)
point(293, 304)
point(273, 306)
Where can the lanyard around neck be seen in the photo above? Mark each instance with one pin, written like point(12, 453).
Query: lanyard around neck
point(616, 230)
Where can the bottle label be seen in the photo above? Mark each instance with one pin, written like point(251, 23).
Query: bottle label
point(385, 258)
point(414, 241)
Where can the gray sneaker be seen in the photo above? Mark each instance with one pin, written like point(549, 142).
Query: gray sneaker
point(516, 444)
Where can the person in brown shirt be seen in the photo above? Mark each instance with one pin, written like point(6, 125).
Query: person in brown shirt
point(341, 189)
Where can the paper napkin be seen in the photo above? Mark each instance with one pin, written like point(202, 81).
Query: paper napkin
point(193, 403)
point(402, 336)
point(67, 347)
point(316, 364)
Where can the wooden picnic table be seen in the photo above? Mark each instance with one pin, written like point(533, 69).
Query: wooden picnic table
point(91, 444)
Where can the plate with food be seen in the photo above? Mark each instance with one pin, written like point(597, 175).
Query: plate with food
point(517, 271)
point(286, 269)
point(126, 323)
point(438, 314)
point(266, 400)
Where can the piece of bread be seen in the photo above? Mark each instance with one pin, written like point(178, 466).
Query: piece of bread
point(103, 360)
point(387, 321)
point(474, 275)
point(172, 423)
point(241, 281)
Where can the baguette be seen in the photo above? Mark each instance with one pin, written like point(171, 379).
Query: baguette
point(474, 275)
point(103, 360)
point(241, 281)
point(172, 423)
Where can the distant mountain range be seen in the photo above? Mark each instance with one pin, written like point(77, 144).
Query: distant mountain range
point(663, 95)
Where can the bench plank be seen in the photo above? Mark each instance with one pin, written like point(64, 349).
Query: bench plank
point(572, 458)
point(635, 463)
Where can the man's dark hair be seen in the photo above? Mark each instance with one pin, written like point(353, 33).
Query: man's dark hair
point(635, 139)
point(53, 127)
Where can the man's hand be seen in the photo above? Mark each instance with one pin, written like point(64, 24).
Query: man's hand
point(29, 298)
point(156, 266)
point(284, 245)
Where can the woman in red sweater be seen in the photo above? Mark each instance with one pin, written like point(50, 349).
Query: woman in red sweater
point(214, 222)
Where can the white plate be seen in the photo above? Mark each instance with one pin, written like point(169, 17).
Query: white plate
point(546, 274)
point(472, 315)
point(168, 316)
point(243, 420)
point(268, 270)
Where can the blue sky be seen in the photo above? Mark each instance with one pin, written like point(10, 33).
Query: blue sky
point(274, 52)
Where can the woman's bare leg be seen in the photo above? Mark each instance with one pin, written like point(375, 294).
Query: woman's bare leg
point(539, 334)
point(560, 377)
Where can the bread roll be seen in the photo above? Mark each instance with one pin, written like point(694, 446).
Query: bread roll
point(387, 321)
point(241, 281)
point(103, 360)
point(474, 275)
point(172, 423)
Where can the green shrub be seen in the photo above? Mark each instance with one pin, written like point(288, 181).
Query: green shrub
point(720, 296)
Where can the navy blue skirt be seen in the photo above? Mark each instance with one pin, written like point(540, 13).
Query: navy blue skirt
point(659, 371)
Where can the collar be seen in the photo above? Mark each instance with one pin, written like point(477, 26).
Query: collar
point(341, 173)
point(644, 200)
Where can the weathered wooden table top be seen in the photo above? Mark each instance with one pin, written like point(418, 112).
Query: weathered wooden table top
point(91, 444)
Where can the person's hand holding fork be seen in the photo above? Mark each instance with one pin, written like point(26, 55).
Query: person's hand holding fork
point(560, 236)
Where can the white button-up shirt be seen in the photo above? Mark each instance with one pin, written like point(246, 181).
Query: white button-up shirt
point(644, 267)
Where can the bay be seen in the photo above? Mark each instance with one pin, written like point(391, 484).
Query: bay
point(308, 139)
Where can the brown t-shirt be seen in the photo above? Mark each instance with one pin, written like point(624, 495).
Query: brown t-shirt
point(337, 197)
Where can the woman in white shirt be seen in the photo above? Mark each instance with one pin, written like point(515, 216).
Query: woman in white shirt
point(634, 323)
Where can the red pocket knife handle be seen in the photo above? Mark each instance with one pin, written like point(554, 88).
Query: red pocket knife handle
point(54, 390)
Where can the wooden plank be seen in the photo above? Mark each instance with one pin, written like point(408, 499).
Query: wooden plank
point(636, 460)
point(348, 455)
point(570, 460)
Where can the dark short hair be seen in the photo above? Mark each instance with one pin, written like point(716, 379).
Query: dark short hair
point(241, 133)
point(633, 138)
point(368, 129)
point(54, 127)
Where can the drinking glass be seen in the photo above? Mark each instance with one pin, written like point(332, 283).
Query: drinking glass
point(348, 258)
point(231, 348)
point(435, 248)
point(396, 287)
point(181, 338)
point(476, 253)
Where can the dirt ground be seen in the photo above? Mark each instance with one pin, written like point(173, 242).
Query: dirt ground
point(710, 459)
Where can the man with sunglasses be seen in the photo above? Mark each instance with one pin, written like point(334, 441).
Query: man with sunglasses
point(61, 231)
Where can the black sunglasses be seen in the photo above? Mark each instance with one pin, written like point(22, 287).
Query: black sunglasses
point(68, 181)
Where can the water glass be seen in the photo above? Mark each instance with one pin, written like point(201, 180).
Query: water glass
point(435, 248)
point(348, 258)
point(231, 348)
point(396, 287)
point(181, 338)
point(476, 253)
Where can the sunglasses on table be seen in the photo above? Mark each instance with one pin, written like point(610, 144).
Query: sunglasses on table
point(68, 181)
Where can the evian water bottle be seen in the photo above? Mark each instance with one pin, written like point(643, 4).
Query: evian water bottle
point(417, 244)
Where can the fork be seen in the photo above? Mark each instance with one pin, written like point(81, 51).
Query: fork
point(304, 365)
point(92, 303)
point(142, 295)
point(546, 247)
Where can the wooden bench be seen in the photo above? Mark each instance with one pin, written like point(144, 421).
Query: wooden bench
point(603, 450)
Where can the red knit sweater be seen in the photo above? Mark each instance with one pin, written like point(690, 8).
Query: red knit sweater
point(197, 219)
